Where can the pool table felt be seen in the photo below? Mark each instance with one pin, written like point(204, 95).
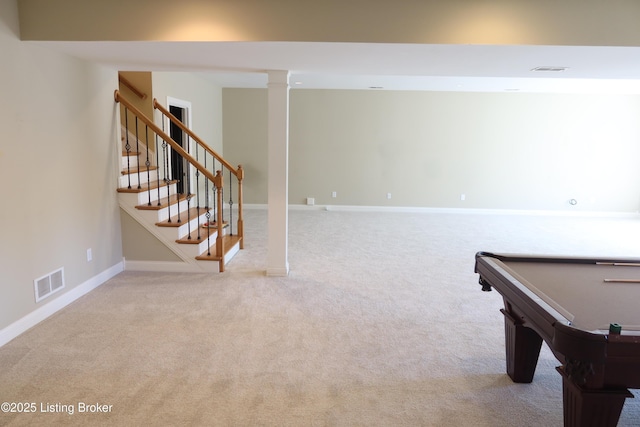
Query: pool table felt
point(578, 291)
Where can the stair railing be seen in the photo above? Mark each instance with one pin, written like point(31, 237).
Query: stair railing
point(210, 155)
point(140, 94)
point(164, 143)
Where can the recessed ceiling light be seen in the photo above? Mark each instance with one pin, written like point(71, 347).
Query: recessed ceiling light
point(551, 69)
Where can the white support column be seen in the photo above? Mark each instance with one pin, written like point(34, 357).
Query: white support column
point(278, 173)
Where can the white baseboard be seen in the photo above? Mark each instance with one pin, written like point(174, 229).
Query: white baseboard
point(30, 320)
point(164, 266)
point(409, 209)
point(532, 212)
point(278, 271)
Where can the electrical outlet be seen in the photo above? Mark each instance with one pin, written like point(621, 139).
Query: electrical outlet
point(389, 196)
point(334, 194)
point(462, 197)
point(89, 255)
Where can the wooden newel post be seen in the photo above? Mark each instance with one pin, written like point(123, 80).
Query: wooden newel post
point(218, 182)
point(240, 176)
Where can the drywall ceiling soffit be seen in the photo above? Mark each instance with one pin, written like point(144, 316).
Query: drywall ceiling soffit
point(486, 68)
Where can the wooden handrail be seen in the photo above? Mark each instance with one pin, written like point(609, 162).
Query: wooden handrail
point(174, 119)
point(131, 87)
point(164, 136)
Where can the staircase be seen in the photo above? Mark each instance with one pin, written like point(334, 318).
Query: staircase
point(187, 224)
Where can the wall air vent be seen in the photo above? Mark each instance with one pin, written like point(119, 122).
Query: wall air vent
point(49, 284)
point(550, 69)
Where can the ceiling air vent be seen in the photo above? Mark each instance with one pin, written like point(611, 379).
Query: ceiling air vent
point(47, 285)
point(550, 69)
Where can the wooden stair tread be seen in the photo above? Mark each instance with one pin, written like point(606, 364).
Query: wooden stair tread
point(204, 233)
point(145, 187)
point(137, 169)
point(214, 225)
point(229, 243)
point(184, 217)
point(156, 205)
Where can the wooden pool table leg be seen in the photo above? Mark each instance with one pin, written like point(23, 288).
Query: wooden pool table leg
point(522, 348)
point(590, 407)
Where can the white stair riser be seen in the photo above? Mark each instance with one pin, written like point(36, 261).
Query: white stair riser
point(200, 248)
point(190, 250)
point(192, 225)
point(152, 216)
point(234, 250)
point(183, 230)
point(170, 211)
point(141, 177)
point(160, 215)
point(143, 198)
point(132, 162)
point(196, 250)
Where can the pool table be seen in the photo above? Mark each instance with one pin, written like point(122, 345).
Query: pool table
point(587, 310)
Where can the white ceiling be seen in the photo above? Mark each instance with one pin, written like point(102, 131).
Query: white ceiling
point(469, 68)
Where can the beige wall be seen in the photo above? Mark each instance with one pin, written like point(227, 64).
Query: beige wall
point(502, 150)
point(245, 138)
point(58, 166)
point(205, 97)
point(138, 244)
point(567, 22)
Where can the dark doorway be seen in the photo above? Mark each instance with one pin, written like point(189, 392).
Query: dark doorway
point(178, 168)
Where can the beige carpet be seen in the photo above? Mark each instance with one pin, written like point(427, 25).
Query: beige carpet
point(380, 323)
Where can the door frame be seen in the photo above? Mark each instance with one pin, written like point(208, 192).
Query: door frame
point(187, 121)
